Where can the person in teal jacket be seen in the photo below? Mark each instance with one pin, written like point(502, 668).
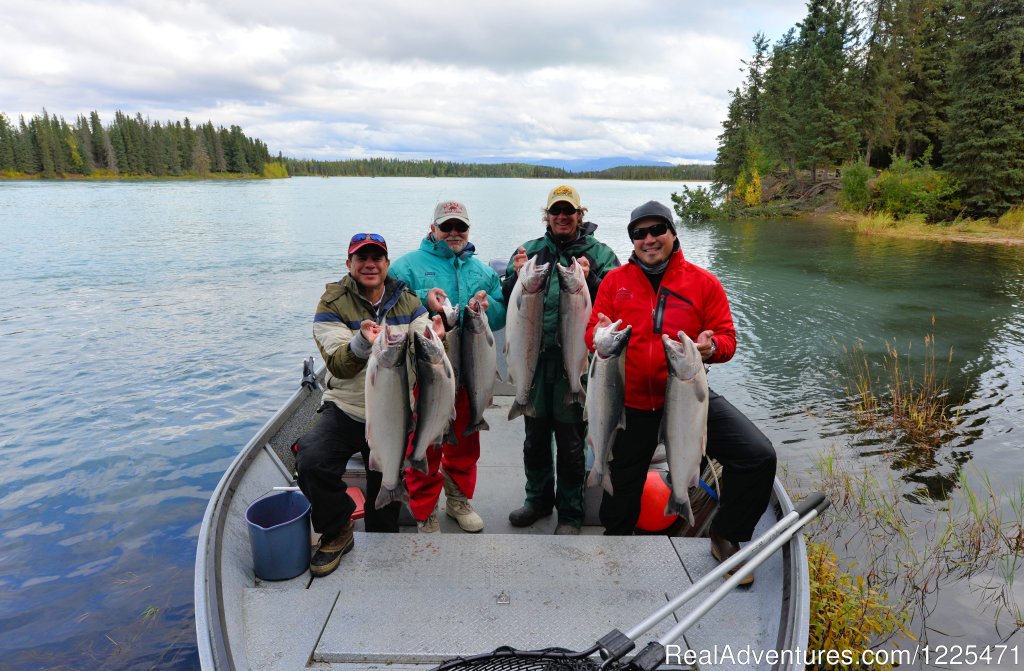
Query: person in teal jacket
point(567, 237)
point(445, 267)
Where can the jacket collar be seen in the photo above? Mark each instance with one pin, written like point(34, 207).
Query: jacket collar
point(587, 228)
point(442, 250)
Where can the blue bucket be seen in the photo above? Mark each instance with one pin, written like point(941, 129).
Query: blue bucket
point(279, 535)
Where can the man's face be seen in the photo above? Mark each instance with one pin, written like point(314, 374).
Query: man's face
point(563, 220)
point(652, 240)
point(453, 232)
point(369, 267)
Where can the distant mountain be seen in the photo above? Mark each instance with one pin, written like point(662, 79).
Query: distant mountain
point(577, 164)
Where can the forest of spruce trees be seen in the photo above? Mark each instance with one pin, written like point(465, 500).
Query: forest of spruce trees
point(934, 84)
point(48, 146)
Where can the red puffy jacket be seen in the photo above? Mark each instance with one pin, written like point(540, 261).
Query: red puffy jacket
point(689, 299)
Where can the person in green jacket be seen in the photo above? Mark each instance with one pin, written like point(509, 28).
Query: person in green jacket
point(444, 267)
point(567, 237)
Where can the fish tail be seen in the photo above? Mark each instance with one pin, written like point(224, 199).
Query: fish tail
point(519, 409)
point(387, 496)
point(481, 425)
point(677, 507)
point(595, 477)
point(419, 464)
point(575, 397)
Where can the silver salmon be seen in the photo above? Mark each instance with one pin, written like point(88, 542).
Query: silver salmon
point(574, 313)
point(479, 365)
point(605, 411)
point(453, 338)
point(435, 402)
point(388, 413)
point(524, 331)
point(684, 424)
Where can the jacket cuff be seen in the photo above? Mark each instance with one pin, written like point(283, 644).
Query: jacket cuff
point(360, 346)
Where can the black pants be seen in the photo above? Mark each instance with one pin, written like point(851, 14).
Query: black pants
point(568, 464)
point(322, 457)
point(748, 470)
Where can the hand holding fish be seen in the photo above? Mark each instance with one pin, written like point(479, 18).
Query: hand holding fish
point(435, 299)
point(584, 264)
point(370, 330)
point(479, 301)
point(705, 345)
point(519, 259)
point(437, 324)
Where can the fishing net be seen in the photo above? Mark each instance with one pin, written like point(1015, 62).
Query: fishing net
point(510, 659)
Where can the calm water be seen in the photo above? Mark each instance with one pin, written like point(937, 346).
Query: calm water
point(148, 329)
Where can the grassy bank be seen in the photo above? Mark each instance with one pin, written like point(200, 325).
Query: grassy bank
point(1007, 230)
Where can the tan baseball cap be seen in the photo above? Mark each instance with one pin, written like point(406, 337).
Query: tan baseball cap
point(564, 193)
point(450, 209)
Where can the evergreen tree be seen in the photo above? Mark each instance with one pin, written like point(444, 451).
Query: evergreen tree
point(732, 143)
point(984, 146)
point(778, 131)
point(6, 144)
point(932, 27)
point(26, 153)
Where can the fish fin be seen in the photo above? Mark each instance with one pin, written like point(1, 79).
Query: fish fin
point(522, 409)
point(449, 437)
point(606, 484)
point(419, 464)
point(387, 496)
point(490, 338)
point(577, 397)
point(621, 426)
point(482, 425)
point(676, 507)
point(371, 463)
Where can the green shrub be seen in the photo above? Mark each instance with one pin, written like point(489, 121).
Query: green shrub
point(695, 204)
point(854, 194)
point(906, 188)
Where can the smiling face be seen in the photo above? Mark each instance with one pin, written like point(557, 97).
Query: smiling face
point(650, 248)
point(563, 219)
point(455, 238)
point(369, 268)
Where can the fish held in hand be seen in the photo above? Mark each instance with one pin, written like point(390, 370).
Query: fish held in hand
point(574, 313)
point(605, 409)
point(479, 365)
point(524, 332)
point(388, 413)
point(435, 402)
point(684, 424)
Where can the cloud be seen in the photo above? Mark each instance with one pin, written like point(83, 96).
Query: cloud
point(445, 79)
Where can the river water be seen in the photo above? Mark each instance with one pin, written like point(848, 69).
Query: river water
point(148, 329)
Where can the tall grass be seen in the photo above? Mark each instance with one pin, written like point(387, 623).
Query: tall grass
point(897, 395)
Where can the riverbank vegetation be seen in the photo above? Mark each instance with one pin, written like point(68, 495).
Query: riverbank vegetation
point(46, 146)
point(904, 109)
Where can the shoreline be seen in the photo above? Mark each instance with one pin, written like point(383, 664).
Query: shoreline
point(971, 231)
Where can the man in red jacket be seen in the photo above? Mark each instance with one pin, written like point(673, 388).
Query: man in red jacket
point(657, 292)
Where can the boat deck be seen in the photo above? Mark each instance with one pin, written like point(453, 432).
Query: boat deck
point(411, 600)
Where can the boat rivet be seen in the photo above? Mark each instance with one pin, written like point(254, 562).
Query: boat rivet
point(503, 599)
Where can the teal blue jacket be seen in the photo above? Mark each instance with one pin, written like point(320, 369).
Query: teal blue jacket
point(435, 265)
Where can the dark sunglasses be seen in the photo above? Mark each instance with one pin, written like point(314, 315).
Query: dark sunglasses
point(447, 226)
point(556, 210)
point(359, 237)
point(656, 230)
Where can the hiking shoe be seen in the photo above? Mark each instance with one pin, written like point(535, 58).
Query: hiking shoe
point(525, 516)
point(457, 507)
point(431, 525)
point(722, 549)
point(567, 530)
point(331, 548)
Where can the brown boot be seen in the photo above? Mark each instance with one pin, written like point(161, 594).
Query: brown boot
point(328, 554)
point(722, 549)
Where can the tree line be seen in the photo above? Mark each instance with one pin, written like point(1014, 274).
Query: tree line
point(938, 84)
point(48, 146)
point(391, 167)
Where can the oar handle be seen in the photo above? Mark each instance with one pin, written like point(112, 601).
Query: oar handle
point(816, 501)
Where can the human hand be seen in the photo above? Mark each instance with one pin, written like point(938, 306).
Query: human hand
point(602, 321)
point(370, 330)
point(437, 324)
point(704, 343)
point(479, 301)
point(519, 259)
point(584, 264)
point(435, 299)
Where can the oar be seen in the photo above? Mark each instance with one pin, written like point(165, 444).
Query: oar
point(653, 655)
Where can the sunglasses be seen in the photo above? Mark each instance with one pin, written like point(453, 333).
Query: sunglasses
point(556, 210)
point(656, 230)
point(359, 237)
point(447, 226)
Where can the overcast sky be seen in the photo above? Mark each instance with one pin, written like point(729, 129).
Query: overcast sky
point(461, 80)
